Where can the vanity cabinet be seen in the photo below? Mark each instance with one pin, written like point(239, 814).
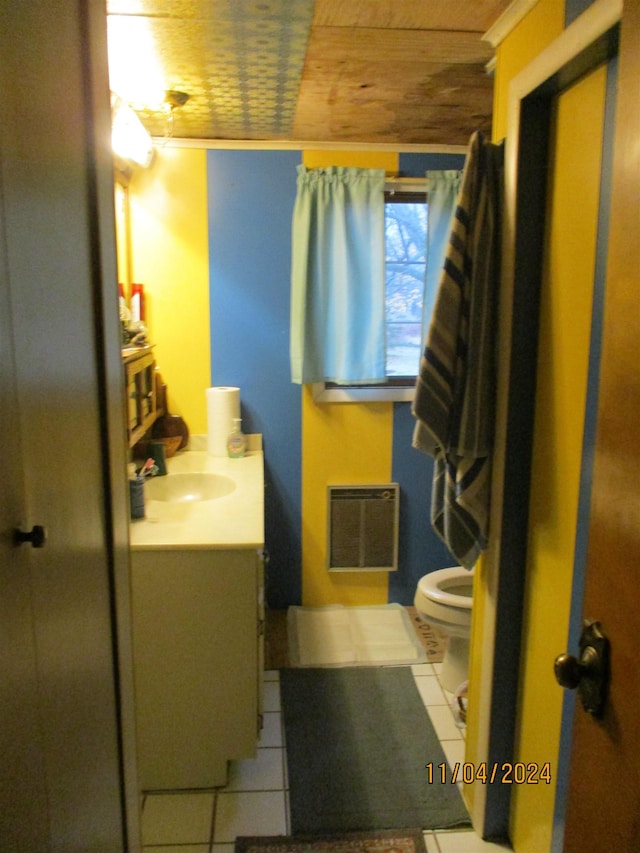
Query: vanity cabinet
point(140, 383)
point(197, 644)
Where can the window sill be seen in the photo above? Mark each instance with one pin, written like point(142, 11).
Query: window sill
point(352, 394)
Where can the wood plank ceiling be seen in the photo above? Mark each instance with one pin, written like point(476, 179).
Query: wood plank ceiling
point(400, 72)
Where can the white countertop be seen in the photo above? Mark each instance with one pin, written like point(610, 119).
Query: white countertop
point(235, 520)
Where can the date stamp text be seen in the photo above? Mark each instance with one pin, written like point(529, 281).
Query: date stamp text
point(505, 773)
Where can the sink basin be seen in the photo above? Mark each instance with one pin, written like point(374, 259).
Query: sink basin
point(185, 488)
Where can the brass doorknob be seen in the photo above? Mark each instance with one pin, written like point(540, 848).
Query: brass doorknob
point(570, 671)
point(589, 672)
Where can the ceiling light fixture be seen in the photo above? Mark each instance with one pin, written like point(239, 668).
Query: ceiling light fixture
point(129, 138)
point(172, 100)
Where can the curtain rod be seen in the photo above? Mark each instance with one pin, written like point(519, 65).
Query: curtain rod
point(399, 183)
point(399, 178)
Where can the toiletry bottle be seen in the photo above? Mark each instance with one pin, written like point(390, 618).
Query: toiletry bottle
point(137, 303)
point(156, 448)
point(236, 441)
point(136, 493)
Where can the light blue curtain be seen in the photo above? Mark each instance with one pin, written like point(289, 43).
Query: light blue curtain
point(338, 276)
point(442, 194)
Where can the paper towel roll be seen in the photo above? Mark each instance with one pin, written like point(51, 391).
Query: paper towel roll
point(223, 405)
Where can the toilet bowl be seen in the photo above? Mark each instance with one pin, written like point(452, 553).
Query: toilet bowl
point(443, 599)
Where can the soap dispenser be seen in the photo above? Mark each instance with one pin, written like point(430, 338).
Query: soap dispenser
point(236, 441)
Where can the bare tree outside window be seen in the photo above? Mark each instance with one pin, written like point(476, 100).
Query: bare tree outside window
point(405, 253)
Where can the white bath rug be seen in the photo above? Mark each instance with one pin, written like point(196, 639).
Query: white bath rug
point(336, 635)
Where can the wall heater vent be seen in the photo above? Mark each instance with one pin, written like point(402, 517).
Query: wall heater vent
point(363, 528)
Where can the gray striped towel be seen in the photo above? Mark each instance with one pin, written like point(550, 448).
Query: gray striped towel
point(454, 401)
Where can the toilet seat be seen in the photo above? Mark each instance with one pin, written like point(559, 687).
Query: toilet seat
point(440, 586)
point(437, 601)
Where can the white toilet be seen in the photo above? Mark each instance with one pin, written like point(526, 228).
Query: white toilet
point(443, 599)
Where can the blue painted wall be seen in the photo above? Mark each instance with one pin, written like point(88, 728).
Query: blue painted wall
point(415, 165)
point(250, 197)
point(420, 549)
point(574, 8)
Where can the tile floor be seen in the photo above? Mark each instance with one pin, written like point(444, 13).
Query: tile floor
point(254, 802)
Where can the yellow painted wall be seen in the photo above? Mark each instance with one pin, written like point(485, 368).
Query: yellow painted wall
point(342, 443)
point(169, 255)
point(360, 159)
point(565, 326)
point(121, 208)
point(537, 29)
point(543, 24)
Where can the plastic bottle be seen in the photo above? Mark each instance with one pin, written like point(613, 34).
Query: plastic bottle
point(137, 303)
point(236, 440)
point(136, 493)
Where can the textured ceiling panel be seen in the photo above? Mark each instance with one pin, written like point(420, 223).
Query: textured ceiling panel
point(240, 62)
point(409, 71)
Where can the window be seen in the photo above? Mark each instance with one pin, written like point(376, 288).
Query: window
point(405, 260)
point(405, 220)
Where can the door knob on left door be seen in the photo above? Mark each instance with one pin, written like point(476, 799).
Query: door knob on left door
point(589, 673)
point(37, 536)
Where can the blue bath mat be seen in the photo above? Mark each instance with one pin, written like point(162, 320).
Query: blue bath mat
point(358, 740)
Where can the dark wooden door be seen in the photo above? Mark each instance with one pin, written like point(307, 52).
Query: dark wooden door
point(603, 808)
